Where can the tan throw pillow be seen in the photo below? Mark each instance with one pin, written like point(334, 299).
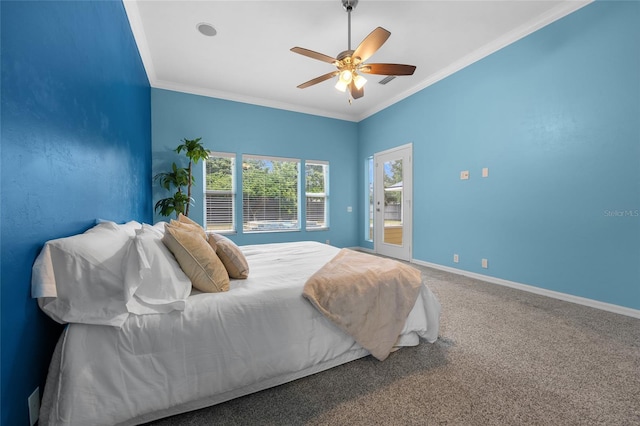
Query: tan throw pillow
point(185, 219)
point(230, 255)
point(197, 259)
point(189, 227)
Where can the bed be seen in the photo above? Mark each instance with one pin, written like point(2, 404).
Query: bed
point(188, 349)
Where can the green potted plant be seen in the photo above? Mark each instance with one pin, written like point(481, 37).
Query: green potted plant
point(180, 177)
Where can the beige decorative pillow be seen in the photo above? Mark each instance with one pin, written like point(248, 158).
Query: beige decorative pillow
point(189, 227)
point(230, 255)
point(197, 259)
point(185, 219)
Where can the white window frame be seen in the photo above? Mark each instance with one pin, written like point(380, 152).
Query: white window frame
point(250, 225)
point(324, 195)
point(211, 226)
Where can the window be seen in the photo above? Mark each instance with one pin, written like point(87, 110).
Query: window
point(368, 230)
point(317, 194)
point(270, 194)
point(220, 192)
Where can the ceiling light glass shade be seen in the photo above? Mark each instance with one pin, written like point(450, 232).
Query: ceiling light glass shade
point(341, 85)
point(359, 81)
point(346, 76)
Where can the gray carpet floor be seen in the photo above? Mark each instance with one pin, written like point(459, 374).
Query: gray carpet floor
point(504, 357)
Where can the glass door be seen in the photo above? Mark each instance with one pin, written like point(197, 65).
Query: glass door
point(392, 202)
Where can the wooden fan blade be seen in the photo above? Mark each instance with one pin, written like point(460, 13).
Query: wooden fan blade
point(313, 55)
point(355, 93)
point(371, 44)
point(387, 69)
point(320, 79)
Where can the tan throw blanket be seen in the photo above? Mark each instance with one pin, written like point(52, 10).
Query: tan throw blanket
point(368, 297)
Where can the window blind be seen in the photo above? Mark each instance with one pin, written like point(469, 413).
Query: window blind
point(316, 193)
point(220, 192)
point(269, 193)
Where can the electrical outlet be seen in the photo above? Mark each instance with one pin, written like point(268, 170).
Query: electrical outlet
point(464, 175)
point(485, 263)
point(327, 242)
point(456, 259)
point(34, 406)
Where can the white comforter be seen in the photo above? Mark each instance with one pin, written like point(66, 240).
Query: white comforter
point(259, 334)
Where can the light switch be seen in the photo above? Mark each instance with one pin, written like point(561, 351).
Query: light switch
point(485, 172)
point(349, 209)
point(464, 175)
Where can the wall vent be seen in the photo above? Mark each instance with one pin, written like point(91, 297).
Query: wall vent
point(387, 79)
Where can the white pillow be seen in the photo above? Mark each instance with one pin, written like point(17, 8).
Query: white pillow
point(153, 280)
point(80, 278)
point(130, 227)
point(159, 227)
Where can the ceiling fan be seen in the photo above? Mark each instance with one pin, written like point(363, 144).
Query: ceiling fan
point(351, 64)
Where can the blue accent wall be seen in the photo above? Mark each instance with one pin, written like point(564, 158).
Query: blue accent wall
point(240, 128)
point(76, 146)
point(556, 119)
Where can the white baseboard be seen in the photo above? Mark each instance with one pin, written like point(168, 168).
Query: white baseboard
point(622, 310)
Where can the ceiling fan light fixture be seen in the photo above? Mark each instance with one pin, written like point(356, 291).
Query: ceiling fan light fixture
point(350, 63)
point(341, 85)
point(346, 76)
point(359, 81)
point(344, 79)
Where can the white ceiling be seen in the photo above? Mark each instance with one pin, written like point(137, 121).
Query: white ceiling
point(249, 58)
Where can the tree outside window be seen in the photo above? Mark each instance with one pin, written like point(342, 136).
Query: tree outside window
point(316, 192)
point(269, 194)
point(220, 192)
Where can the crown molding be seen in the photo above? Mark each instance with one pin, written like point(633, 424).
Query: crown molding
point(545, 19)
point(228, 96)
point(511, 37)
